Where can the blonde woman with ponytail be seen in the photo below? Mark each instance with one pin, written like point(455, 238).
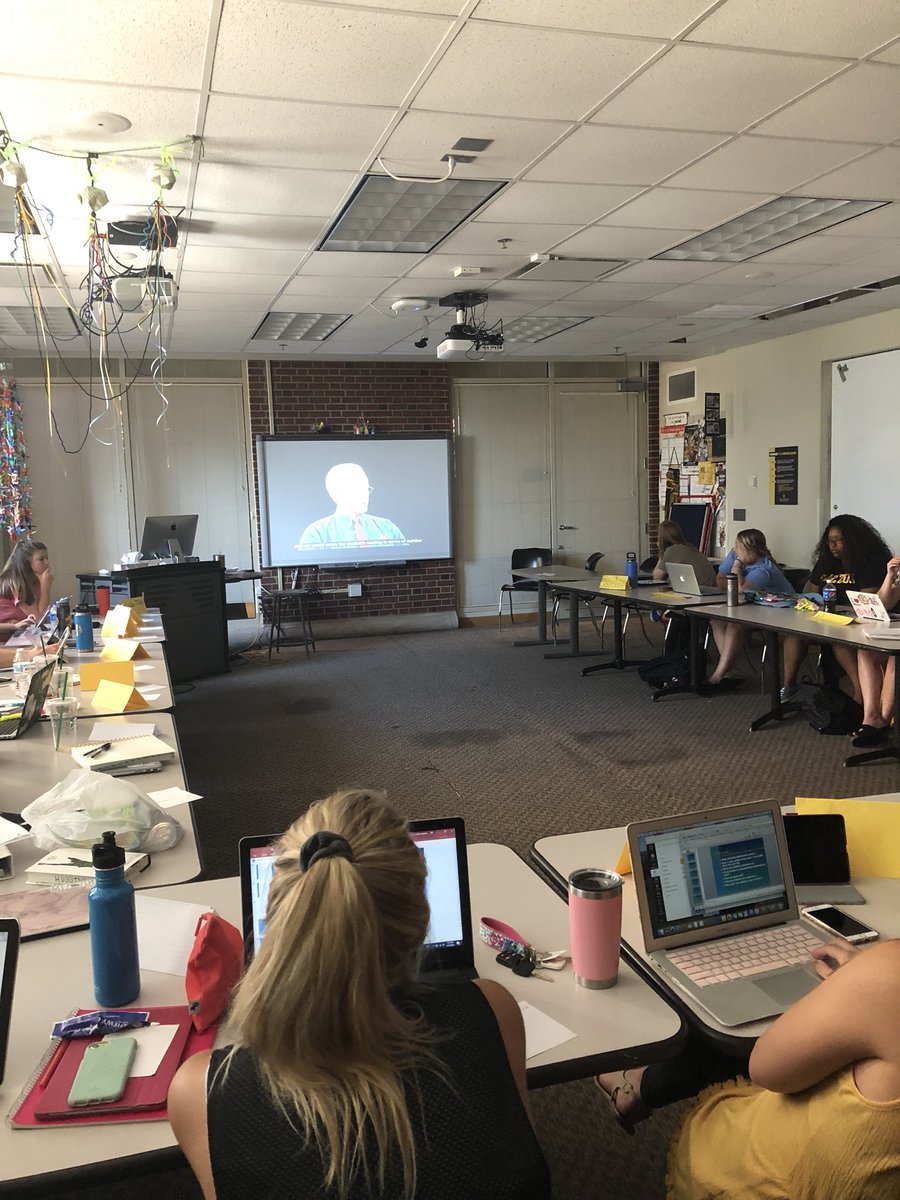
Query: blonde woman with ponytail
point(347, 1078)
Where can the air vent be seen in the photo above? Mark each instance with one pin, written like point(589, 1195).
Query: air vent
point(865, 289)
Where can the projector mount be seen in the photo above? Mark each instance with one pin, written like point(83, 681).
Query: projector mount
point(470, 327)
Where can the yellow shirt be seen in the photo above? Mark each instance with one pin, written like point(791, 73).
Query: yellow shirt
point(742, 1142)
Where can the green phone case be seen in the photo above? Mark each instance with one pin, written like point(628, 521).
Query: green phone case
point(103, 1073)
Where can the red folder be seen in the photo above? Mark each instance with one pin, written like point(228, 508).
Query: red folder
point(44, 1102)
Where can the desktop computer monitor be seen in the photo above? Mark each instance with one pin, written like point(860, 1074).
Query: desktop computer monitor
point(168, 537)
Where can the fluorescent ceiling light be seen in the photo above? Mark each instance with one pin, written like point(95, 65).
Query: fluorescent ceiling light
point(386, 215)
point(22, 318)
point(299, 327)
point(780, 221)
point(538, 329)
point(866, 289)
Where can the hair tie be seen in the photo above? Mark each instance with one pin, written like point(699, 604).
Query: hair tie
point(324, 845)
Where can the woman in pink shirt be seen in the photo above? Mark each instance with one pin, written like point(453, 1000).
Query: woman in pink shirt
point(26, 582)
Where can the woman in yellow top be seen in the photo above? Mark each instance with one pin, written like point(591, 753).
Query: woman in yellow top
point(821, 1118)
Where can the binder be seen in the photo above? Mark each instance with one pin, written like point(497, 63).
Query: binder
point(43, 1101)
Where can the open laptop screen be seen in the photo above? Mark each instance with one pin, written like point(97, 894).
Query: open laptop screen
point(703, 874)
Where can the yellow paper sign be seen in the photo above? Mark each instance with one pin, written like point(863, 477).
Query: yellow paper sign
point(614, 583)
point(873, 833)
point(623, 866)
point(120, 621)
point(122, 650)
point(137, 604)
point(706, 474)
point(832, 618)
point(92, 673)
point(118, 697)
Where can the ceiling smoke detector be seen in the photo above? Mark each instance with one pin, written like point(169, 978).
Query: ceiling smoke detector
point(410, 306)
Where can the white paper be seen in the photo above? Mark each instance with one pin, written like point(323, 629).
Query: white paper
point(110, 731)
point(166, 932)
point(169, 797)
point(152, 1043)
point(542, 1032)
point(11, 832)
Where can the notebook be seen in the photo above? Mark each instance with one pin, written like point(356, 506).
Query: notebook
point(719, 884)
point(9, 957)
point(683, 578)
point(115, 757)
point(448, 950)
point(15, 724)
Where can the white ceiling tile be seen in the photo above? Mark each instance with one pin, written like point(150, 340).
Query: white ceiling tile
point(609, 241)
point(310, 299)
point(303, 51)
point(820, 251)
point(545, 73)
point(597, 154)
point(654, 308)
point(890, 55)
point(286, 133)
point(876, 177)
point(765, 164)
point(155, 42)
point(666, 272)
point(618, 290)
point(268, 349)
point(224, 282)
point(677, 208)
point(482, 237)
point(578, 203)
point(650, 18)
point(359, 287)
point(449, 8)
point(240, 230)
point(233, 188)
point(803, 26)
point(759, 268)
point(421, 139)
point(440, 266)
point(862, 105)
point(338, 262)
point(532, 291)
point(700, 87)
point(216, 302)
point(231, 261)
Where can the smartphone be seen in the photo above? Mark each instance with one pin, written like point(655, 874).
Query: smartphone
point(102, 1075)
point(838, 922)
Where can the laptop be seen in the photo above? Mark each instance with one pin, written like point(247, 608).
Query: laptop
point(683, 578)
point(9, 956)
point(449, 953)
point(15, 724)
point(878, 624)
point(45, 627)
point(719, 912)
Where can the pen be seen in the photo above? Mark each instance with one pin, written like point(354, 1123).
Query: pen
point(92, 753)
point(13, 716)
point(52, 1063)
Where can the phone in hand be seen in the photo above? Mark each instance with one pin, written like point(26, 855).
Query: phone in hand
point(835, 921)
point(103, 1073)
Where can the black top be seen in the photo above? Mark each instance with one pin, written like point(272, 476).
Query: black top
point(472, 1134)
point(869, 575)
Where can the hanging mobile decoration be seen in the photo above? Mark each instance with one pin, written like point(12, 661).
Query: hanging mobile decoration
point(15, 490)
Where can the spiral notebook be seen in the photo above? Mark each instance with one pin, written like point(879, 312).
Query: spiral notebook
point(125, 752)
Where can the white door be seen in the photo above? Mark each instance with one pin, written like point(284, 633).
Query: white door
point(597, 480)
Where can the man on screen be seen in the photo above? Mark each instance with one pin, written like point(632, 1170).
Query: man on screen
point(351, 524)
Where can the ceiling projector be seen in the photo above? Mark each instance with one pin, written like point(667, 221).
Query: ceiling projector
point(139, 293)
point(468, 335)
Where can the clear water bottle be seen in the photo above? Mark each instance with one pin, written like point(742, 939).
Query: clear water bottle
point(114, 947)
point(21, 672)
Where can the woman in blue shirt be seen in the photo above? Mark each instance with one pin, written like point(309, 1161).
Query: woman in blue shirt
point(751, 562)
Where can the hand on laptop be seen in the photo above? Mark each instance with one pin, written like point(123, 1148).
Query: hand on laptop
point(25, 622)
point(831, 955)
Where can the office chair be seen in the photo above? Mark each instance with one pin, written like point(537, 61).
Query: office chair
point(590, 564)
point(526, 556)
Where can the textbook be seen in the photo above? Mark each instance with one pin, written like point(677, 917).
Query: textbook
point(123, 753)
point(68, 866)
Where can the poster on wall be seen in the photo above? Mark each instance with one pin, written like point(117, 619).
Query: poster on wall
point(711, 413)
point(671, 452)
point(695, 446)
point(783, 474)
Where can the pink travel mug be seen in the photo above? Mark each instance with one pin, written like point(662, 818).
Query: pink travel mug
point(595, 926)
point(102, 600)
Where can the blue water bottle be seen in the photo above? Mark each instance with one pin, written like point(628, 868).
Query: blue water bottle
point(114, 947)
point(84, 629)
point(631, 568)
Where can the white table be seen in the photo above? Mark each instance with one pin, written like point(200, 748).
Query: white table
point(557, 856)
point(547, 576)
point(618, 1027)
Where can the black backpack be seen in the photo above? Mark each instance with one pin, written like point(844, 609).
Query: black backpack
point(829, 710)
point(668, 672)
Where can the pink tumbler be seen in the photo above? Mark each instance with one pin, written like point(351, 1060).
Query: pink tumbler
point(595, 926)
point(102, 600)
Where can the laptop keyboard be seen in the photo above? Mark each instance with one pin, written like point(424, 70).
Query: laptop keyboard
point(738, 958)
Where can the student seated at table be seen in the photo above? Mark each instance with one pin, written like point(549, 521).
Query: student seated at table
point(819, 1116)
point(876, 673)
point(674, 549)
point(851, 553)
point(752, 563)
point(348, 1079)
point(26, 583)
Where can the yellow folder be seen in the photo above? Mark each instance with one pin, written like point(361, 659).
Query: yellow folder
point(873, 833)
point(93, 673)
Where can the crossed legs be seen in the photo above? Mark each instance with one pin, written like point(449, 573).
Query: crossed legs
point(730, 640)
point(876, 681)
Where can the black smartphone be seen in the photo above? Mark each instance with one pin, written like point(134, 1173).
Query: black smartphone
point(838, 922)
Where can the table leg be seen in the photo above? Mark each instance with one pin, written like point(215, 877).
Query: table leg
point(891, 751)
point(619, 662)
point(574, 650)
point(541, 639)
point(772, 668)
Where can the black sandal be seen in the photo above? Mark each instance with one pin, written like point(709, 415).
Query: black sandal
point(870, 735)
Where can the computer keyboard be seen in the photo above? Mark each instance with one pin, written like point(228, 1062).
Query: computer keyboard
point(750, 954)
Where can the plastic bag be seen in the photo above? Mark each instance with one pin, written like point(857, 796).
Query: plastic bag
point(77, 810)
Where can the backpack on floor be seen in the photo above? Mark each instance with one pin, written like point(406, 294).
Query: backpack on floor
point(668, 671)
point(830, 710)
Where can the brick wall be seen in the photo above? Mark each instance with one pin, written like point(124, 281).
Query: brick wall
point(393, 398)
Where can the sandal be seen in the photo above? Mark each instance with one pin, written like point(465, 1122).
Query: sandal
point(634, 1110)
point(870, 735)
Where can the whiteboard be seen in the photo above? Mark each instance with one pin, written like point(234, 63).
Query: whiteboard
point(865, 441)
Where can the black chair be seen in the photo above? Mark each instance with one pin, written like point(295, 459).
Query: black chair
point(526, 556)
point(590, 564)
point(646, 566)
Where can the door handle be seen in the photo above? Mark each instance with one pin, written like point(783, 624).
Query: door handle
point(568, 526)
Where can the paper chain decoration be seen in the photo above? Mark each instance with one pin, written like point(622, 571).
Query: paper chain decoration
point(15, 489)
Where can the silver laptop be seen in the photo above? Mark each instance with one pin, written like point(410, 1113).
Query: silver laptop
point(683, 578)
point(719, 912)
point(877, 623)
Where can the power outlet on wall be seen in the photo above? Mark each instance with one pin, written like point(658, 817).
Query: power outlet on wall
point(354, 589)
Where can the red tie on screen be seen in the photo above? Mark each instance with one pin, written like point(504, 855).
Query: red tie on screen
point(360, 536)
